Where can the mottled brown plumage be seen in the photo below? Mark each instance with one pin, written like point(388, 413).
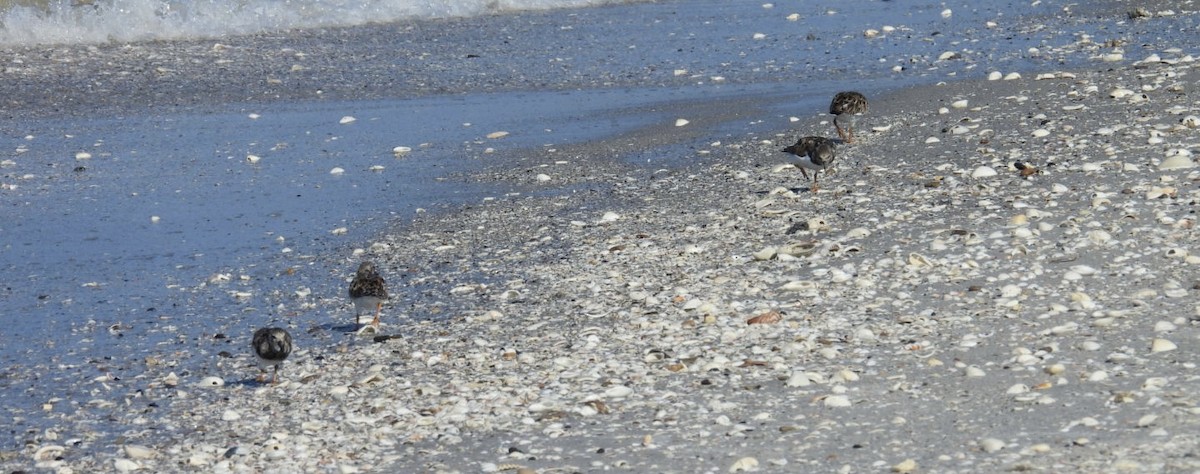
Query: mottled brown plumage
point(271, 347)
point(368, 290)
point(851, 104)
point(813, 153)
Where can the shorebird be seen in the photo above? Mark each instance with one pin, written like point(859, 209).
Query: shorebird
point(271, 346)
point(851, 104)
point(812, 153)
point(368, 290)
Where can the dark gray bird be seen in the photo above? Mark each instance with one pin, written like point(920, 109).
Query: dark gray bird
point(272, 346)
point(851, 104)
point(812, 153)
point(368, 290)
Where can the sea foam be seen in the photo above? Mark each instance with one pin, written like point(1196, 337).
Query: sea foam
point(30, 22)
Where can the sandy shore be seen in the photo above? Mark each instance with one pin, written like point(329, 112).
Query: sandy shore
point(939, 310)
point(935, 316)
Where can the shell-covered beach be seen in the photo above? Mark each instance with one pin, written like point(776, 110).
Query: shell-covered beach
point(1000, 274)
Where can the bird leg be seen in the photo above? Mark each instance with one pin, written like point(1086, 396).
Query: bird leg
point(378, 309)
point(274, 375)
point(262, 377)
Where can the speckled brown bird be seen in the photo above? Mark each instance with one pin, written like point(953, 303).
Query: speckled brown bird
point(812, 153)
point(368, 291)
point(271, 346)
point(851, 104)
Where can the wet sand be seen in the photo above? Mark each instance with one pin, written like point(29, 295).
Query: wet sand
point(934, 316)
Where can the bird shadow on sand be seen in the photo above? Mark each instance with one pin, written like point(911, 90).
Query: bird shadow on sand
point(251, 382)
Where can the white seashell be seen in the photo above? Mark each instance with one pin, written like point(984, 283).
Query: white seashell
point(765, 254)
point(932, 140)
point(347, 119)
point(959, 104)
point(139, 452)
point(618, 391)
point(499, 134)
point(973, 371)
point(1112, 57)
point(339, 231)
point(211, 381)
point(681, 122)
point(401, 150)
point(947, 55)
point(337, 171)
point(125, 465)
point(1012, 76)
point(745, 464)
point(1147, 420)
point(798, 379)
point(83, 155)
point(1191, 121)
point(837, 401)
point(542, 177)
point(1176, 162)
point(1041, 132)
point(799, 285)
point(610, 217)
point(759, 36)
point(1162, 345)
point(995, 76)
point(870, 33)
point(1164, 326)
point(231, 415)
point(959, 130)
point(947, 13)
point(983, 172)
point(1120, 93)
point(49, 453)
point(252, 159)
point(991, 445)
point(1097, 376)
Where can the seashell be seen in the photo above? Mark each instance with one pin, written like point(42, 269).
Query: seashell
point(1120, 93)
point(1012, 76)
point(948, 55)
point(932, 140)
point(1112, 57)
point(618, 391)
point(1191, 121)
point(681, 122)
point(765, 254)
point(210, 382)
point(125, 465)
point(1162, 345)
point(347, 119)
point(337, 171)
point(497, 134)
point(769, 317)
point(230, 415)
point(83, 155)
point(1041, 132)
point(799, 285)
point(870, 33)
point(745, 464)
point(906, 466)
point(858, 233)
point(918, 260)
point(991, 445)
point(139, 452)
point(959, 104)
point(49, 452)
point(1175, 162)
point(401, 150)
point(995, 76)
point(947, 13)
point(798, 379)
point(252, 159)
point(983, 172)
point(973, 371)
point(171, 380)
point(799, 249)
point(837, 401)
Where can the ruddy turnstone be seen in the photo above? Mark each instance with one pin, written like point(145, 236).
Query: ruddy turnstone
point(812, 153)
point(851, 104)
point(368, 290)
point(271, 346)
